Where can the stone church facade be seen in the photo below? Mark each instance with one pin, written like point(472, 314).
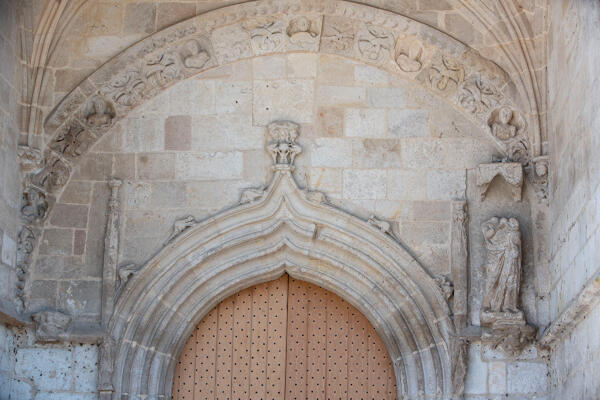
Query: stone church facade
point(289, 199)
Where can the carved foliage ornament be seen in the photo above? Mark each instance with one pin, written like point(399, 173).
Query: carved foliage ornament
point(375, 44)
point(409, 54)
point(282, 142)
point(446, 75)
point(478, 96)
point(266, 34)
point(338, 36)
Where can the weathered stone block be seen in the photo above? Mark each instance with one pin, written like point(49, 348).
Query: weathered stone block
point(85, 365)
point(407, 123)
point(69, 215)
point(192, 97)
point(168, 195)
point(124, 166)
point(48, 368)
point(171, 13)
point(335, 71)
point(57, 242)
point(406, 185)
point(94, 167)
point(328, 180)
point(80, 296)
point(210, 166)
point(9, 250)
point(178, 132)
point(497, 377)
point(233, 97)
point(155, 166)
point(330, 122)
point(139, 18)
point(283, 100)
point(330, 152)
point(341, 95)
point(387, 97)
point(369, 74)
point(446, 185)
point(376, 153)
point(302, 65)
point(369, 123)
point(369, 184)
point(225, 133)
point(527, 377)
point(273, 67)
point(79, 242)
point(476, 380)
point(76, 192)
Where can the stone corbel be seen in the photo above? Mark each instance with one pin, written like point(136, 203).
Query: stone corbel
point(51, 326)
point(512, 173)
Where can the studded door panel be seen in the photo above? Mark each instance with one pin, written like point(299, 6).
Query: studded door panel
point(284, 339)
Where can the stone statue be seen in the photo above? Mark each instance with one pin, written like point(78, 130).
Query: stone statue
point(503, 268)
point(502, 128)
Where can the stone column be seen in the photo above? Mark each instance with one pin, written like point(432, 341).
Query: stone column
point(111, 252)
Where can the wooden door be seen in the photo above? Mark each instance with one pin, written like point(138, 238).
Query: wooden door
point(284, 339)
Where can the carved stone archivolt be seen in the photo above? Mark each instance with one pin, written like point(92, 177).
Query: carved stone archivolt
point(283, 229)
point(500, 311)
point(390, 41)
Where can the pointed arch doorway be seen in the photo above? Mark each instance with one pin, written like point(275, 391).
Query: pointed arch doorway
point(284, 339)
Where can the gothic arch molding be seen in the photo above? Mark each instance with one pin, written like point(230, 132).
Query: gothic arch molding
point(281, 229)
point(474, 85)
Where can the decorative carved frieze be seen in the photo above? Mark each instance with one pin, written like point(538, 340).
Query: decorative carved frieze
point(181, 225)
point(375, 44)
point(30, 160)
point(409, 54)
point(512, 173)
point(54, 175)
point(194, 54)
point(51, 326)
point(98, 113)
point(266, 34)
point(446, 74)
point(34, 205)
point(111, 251)
point(338, 36)
point(500, 312)
point(478, 95)
point(25, 245)
point(303, 33)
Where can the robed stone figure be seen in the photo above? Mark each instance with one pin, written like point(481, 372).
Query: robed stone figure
point(503, 272)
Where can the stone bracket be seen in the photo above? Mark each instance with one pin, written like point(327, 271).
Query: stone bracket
point(512, 173)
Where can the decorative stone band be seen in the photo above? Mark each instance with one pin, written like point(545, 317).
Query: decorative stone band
point(284, 230)
point(575, 312)
point(478, 87)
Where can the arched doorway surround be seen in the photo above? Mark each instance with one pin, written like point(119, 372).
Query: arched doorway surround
point(275, 230)
point(284, 339)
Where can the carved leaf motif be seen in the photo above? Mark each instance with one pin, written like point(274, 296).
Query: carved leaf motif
point(477, 95)
point(34, 205)
point(54, 175)
point(375, 44)
point(409, 55)
point(265, 35)
point(446, 75)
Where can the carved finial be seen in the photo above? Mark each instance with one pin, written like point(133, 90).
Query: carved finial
point(282, 142)
point(181, 225)
point(383, 226)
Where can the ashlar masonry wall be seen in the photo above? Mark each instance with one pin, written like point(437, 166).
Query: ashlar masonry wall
point(574, 70)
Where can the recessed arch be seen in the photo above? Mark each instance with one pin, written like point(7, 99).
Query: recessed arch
point(451, 70)
point(284, 230)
